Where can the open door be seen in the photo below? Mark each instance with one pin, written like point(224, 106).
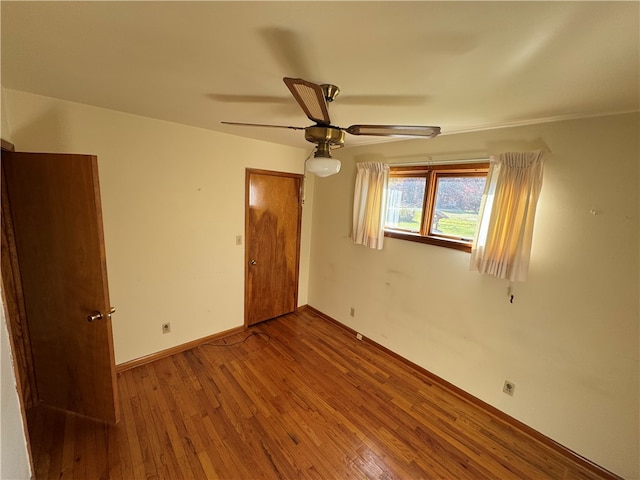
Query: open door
point(54, 203)
point(273, 220)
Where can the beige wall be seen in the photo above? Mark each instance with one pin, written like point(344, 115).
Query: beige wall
point(14, 460)
point(569, 341)
point(173, 203)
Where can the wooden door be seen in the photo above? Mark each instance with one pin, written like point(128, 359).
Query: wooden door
point(273, 219)
point(54, 201)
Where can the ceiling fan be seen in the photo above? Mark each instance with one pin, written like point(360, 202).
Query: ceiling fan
point(314, 99)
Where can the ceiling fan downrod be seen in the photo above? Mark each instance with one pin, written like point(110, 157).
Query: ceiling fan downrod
point(330, 92)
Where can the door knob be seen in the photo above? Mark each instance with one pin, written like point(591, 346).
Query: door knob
point(98, 315)
point(252, 262)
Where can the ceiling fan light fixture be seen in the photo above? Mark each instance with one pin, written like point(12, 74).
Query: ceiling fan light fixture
point(322, 164)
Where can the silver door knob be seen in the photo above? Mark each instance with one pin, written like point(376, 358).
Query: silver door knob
point(98, 315)
point(252, 262)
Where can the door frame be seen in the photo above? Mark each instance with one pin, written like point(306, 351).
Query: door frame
point(300, 177)
point(13, 310)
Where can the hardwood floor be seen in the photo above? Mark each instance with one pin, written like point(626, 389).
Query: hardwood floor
point(299, 398)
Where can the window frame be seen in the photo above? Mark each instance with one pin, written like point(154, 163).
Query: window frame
point(431, 173)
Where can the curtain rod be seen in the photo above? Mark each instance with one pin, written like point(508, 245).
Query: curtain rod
point(430, 161)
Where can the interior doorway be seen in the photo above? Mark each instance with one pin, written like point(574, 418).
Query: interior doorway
point(273, 217)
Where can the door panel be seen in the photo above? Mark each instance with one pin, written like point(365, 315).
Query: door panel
point(273, 219)
point(57, 217)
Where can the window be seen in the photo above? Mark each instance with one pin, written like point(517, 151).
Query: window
point(436, 204)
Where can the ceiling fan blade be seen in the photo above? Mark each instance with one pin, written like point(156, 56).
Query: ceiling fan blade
point(394, 130)
point(262, 125)
point(311, 98)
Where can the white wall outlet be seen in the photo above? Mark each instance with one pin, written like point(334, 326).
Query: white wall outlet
point(352, 312)
point(166, 327)
point(509, 387)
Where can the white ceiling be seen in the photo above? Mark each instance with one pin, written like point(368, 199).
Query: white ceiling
point(460, 65)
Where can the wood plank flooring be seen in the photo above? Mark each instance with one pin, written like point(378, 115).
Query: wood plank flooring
point(292, 398)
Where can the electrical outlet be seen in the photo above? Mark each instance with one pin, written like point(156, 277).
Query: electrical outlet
point(352, 312)
point(359, 336)
point(509, 387)
point(166, 327)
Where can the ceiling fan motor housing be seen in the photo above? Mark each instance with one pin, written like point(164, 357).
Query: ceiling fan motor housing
point(324, 134)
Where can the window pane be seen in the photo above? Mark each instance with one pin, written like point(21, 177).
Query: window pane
point(457, 204)
point(404, 203)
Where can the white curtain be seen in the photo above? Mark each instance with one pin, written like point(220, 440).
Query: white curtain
point(369, 204)
point(502, 246)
